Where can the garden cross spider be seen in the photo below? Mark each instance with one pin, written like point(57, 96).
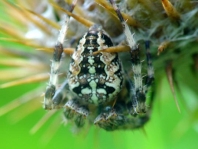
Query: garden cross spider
point(97, 88)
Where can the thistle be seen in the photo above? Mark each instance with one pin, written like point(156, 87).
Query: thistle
point(29, 32)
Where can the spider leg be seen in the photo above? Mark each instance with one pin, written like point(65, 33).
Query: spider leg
point(73, 110)
point(58, 50)
point(150, 70)
point(137, 95)
point(129, 36)
point(61, 96)
point(138, 90)
point(110, 119)
point(119, 118)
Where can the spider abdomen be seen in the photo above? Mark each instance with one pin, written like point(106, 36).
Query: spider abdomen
point(95, 78)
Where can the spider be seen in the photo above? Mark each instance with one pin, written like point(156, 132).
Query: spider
point(98, 88)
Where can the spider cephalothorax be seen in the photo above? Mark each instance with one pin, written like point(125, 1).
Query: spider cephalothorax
point(97, 88)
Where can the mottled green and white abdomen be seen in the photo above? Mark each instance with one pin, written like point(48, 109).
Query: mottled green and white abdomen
point(95, 78)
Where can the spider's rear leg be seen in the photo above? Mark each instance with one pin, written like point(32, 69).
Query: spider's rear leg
point(118, 118)
point(139, 91)
point(74, 110)
point(150, 71)
point(135, 122)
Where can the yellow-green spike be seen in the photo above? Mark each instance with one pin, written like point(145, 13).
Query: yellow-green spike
point(114, 49)
point(78, 18)
point(42, 121)
point(129, 20)
point(15, 103)
point(170, 10)
point(26, 80)
point(170, 80)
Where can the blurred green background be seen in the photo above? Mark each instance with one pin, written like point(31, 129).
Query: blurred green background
point(167, 128)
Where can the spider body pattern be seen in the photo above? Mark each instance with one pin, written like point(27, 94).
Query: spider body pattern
point(95, 78)
point(98, 89)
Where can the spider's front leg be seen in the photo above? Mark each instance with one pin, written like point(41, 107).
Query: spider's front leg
point(51, 88)
point(137, 92)
point(49, 101)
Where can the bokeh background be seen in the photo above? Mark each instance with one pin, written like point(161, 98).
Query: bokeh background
point(21, 104)
point(167, 129)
